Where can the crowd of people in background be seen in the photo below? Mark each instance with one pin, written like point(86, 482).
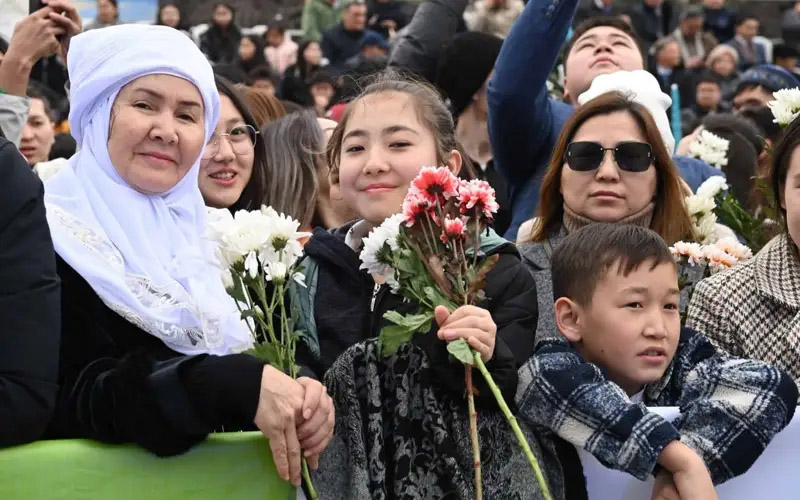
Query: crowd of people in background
point(582, 115)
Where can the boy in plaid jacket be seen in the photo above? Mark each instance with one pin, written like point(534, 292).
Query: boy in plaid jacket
point(618, 308)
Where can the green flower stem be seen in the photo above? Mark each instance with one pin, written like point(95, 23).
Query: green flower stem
point(514, 425)
point(473, 433)
point(307, 478)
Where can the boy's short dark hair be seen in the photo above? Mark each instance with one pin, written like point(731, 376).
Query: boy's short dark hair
point(783, 51)
point(596, 22)
point(586, 255)
point(708, 77)
point(747, 17)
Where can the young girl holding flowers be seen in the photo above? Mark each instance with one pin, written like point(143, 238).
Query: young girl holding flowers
point(402, 422)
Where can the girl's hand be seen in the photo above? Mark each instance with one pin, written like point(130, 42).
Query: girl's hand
point(473, 324)
point(315, 430)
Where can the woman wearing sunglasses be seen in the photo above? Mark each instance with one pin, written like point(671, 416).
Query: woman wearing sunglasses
point(610, 165)
point(233, 163)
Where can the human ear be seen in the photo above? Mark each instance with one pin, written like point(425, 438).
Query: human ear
point(454, 162)
point(568, 319)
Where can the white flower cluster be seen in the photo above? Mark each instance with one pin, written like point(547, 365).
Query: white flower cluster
point(786, 106)
point(718, 256)
point(263, 239)
point(701, 207)
point(710, 148)
point(46, 170)
point(375, 256)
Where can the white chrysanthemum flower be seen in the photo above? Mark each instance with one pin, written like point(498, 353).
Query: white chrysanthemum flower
point(227, 278)
point(699, 204)
point(373, 258)
point(251, 264)
point(712, 187)
point(276, 272)
point(732, 247)
point(47, 169)
point(693, 252)
point(705, 226)
point(786, 106)
point(710, 148)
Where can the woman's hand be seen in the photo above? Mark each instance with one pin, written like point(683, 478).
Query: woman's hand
point(473, 324)
point(316, 428)
point(279, 407)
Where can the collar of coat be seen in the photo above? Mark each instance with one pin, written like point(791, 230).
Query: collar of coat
point(778, 271)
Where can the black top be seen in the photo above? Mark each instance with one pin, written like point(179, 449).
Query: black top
point(344, 314)
point(221, 46)
point(121, 384)
point(29, 312)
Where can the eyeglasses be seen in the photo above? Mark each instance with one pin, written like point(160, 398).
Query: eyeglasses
point(630, 156)
point(242, 139)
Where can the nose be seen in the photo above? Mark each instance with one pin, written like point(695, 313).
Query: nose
point(603, 45)
point(164, 130)
point(376, 162)
point(607, 170)
point(656, 327)
point(225, 153)
point(27, 133)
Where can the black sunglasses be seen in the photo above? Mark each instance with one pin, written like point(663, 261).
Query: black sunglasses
point(630, 156)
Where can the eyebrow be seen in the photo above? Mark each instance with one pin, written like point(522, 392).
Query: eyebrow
point(643, 290)
point(612, 36)
point(160, 97)
point(393, 129)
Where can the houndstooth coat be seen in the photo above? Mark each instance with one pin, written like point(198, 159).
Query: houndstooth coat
point(753, 310)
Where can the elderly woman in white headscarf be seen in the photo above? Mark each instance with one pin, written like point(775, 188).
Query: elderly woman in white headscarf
point(149, 335)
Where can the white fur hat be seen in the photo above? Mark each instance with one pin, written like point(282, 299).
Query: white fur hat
point(641, 87)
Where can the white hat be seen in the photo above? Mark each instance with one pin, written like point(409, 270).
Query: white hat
point(641, 87)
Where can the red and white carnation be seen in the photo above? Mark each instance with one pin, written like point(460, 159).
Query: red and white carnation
point(478, 195)
point(436, 183)
point(454, 230)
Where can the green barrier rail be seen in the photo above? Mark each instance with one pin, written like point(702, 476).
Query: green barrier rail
point(225, 466)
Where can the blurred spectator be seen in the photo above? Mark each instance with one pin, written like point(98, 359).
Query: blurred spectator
point(294, 86)
point(769, 131)
point(465, 68)
point(387, 17)
point(652, 20)
point(707, 100)
point(723, 62)
point(221, 42)
point(786, 57)
point(743, 151)
point(750, 52)
point(169, 14)
point(51, 73)
point(758, 83)
point(667, 69)
point(262, 104)
point(291, 107)
point(790, 26)
point(38, 134)
point(265, 78)
point(343, 41)
point(596, 8)
point(373, 48)
point(233, 73)
point(321, 88)
point(694, 44)
point(281, 51)
point(107, 15)
point(719, 20)
point(494, 17)
point(251, 53)
point(318, 17)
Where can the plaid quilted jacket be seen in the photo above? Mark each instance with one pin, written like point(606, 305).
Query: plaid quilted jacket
point(753, 310)
point(730, 408)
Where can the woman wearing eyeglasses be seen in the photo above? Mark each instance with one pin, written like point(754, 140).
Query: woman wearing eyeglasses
point(610, 165)
point(232, 166)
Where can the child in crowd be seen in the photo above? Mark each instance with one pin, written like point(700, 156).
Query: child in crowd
point(402, 421)
point(616, 301)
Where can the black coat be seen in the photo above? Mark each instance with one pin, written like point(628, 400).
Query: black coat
point(121, 384)
point(221, 47)
point(338, 45)
point(649, 25)
point(343, 315)
point(29, 309)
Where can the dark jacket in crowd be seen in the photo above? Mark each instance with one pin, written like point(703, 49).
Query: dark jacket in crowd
point(432, 28)
point(748, 58)
point(295, 87)
point(338, 45)
point(120, 384)
point(392, 10)
point(653, 24)
point(221, 46)
point(720, 22)
point(30, 315)
point(730, 408)
point(52, 74)
point(348, 309)
point(590, 10)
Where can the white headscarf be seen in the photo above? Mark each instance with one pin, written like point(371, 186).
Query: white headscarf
point(642, 87)
point(144, 255)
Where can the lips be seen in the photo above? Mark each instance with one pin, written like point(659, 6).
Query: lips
point(378, 188)
point(604, 60)
point(224, 176)
point(605, 194)
point(652, 352)
point(159, 157)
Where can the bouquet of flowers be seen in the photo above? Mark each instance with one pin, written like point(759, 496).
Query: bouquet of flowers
point(259, 252)
point(697, 262)
point(431, 254)
point(786, 106)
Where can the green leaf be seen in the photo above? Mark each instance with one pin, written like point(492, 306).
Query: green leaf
point(413, 322)
point(392, 337)
point(461, 351)
point(267, 352)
